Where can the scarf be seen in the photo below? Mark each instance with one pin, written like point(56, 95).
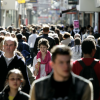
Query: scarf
point(46, 60)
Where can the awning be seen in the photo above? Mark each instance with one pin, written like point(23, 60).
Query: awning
point(69, 11)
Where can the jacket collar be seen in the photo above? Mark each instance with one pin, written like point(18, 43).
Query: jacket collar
point(72, 75)
point(71, 91)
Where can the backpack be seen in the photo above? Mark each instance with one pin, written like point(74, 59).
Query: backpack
point(27, 56)
point(89, 73)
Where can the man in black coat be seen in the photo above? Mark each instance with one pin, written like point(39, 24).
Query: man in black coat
point(61, 84)
point(25, 33)
point(45, 35)
point(10, 60)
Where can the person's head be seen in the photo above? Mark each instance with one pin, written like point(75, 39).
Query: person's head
point(61, 61)
point(33, 30)
point(19, 36)
point(2, 33)
point(1, 42)
point(24, 38)
point(91, 37)
point(45, 29)
point(43, 45)
point(71, 27)
point(13, 35)
point(98, 41)
point(83, 30)
point(77, 41)
point(52, 27)
point(10, 44)
point(24, 28)
point(15, 79)
point(66, 35)
point(77, 35)
point(57, 31)
point(10, 29)
point(56, 40)
point(7, 34)
point(18, 30)
point(88, 47)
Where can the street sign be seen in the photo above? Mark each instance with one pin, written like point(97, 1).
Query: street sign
point(33, 1)
point(21, 1)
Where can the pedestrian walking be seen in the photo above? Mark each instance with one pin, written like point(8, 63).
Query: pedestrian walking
point(14, 83)
point(61, 84)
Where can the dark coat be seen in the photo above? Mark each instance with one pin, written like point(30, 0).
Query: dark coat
point(17, 63)
point(80, 89)
point(23, 46)
point(19, 96)
point(97, 54)
point(27, 34)
point(50, 39)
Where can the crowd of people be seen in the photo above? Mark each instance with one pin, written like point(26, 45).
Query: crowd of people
point(49, 62)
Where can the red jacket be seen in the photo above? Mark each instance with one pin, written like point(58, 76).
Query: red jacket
point(77, 68)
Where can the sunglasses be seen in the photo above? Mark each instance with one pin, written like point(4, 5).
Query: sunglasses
point(13, 79)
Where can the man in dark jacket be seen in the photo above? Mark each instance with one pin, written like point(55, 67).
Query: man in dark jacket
point(21, 44)
point(26, 33)
point(10, 60)
point(62, 84)
point(45, 35)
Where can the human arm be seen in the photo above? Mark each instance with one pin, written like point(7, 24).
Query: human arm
point(35, 71)
point(88, 93)
point(23, 67)
point(32, 92)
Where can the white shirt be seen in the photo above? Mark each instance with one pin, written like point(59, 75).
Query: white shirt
point(76, 52)
point(31, 40)
point(42, 68)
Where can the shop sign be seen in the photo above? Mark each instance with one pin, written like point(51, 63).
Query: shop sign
point(33, 1)
point(76, 23)
point(21, 1)
point(73, 1)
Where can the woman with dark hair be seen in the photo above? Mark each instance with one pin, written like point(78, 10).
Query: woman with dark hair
point(76, 50)
point(41, 65)
point(59, 34)
point(67, 39)
point(14, 83)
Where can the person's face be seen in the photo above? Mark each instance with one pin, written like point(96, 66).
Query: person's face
point(13, 35)
point(9, 47)
point(43, 49)
point(2, 34)
point(62, 66)
point(14, 81)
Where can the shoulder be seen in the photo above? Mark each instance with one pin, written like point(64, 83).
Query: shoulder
point(19, 58)
point(24, 95)
point(82, 81)
point(42, 80)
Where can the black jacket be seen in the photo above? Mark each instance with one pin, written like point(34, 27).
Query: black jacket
point(97, 54)
point(19, 96)
point(80, 89)
point(17, 63)
point(50, 39)
point(27, 34)
point(23, 46)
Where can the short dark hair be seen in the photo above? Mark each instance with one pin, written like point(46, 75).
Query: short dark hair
point(77, 41)
point(66, 35)
point(87, 45)
point(43, 41)
point(60, 49)
point(34, 30)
